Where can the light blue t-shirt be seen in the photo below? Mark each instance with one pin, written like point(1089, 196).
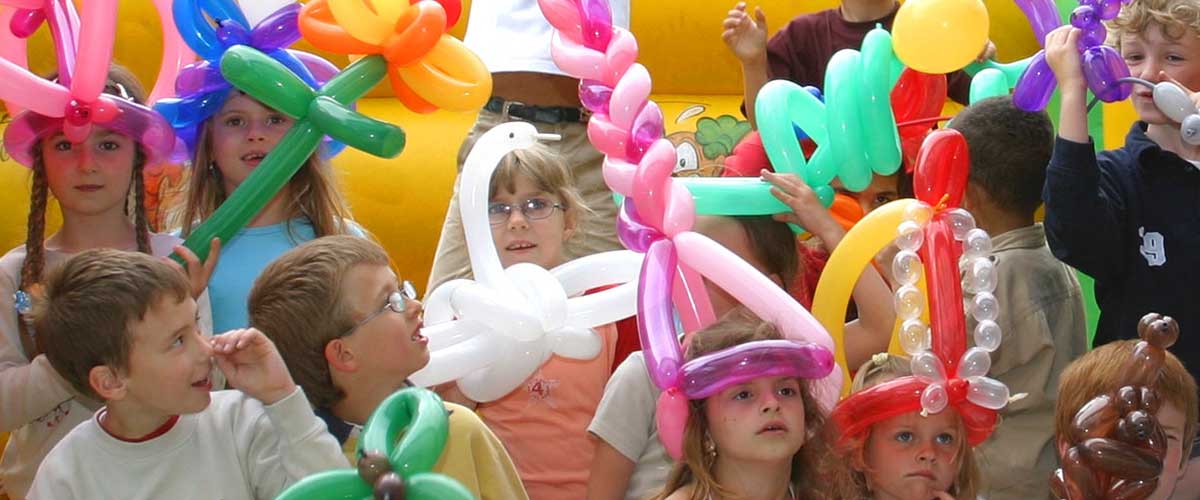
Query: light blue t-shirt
point(243, 258)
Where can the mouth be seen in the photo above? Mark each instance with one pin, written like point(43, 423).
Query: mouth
point(89, 188)
point(416, 335)
point(923, 474)
point(204, 384)
point(774, 427)
point(254, 157)
point(520, 245)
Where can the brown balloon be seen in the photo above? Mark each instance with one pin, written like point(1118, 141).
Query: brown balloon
point(1058, 486)
point(1146, 364)
point(1157, 442)
point(1079, 480)
point(372, 465)
point(1150, 401)
point(1132, 490)
point(1120, 459)
point(390, 486)
point(1128, 399)
point(1135, 428)
point(1095, 419)
point(1160, 331)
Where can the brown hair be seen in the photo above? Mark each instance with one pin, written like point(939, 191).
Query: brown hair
point(90, 305)
point(1103, 370)
point(774, 245)
point(312, 192)
point(736, 327)
point(33, 267)
point(1009, 149)
point(847, 467)
point(297, 302)
point(548, 173)
point(1176, 17)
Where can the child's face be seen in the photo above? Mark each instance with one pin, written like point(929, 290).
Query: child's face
point(1172, 421)
point(243, 132)
point(761, 420)
point(520, 238)
point(730, 234)
point(92, 177)
point(1150, 53)
point(880, 192)
point(169, 363)
point(389, 345)
point(910, 457)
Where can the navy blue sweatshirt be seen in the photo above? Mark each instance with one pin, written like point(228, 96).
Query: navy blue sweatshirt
point(1130, 218)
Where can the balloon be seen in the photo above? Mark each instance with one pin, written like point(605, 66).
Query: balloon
point(940, 36)
point(1103, 68)
point(24, 18)
point(401, 442)
point(1043, 17)
point(317, 114)
point(490, 334)
point(671, 416)
point(713, 373)
point(941, 168)
point(663, 355)
point(427, 68)
point(176, 53)
point(988, 83)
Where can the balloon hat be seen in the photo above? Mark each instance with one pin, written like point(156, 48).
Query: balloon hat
point(75, 107)
point(938, 234)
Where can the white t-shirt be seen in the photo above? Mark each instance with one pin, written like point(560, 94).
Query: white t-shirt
point(235, 449)
point(625, 420)
point(36, 404)
point(513, 35)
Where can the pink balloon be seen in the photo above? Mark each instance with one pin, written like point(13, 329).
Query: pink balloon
point(618, 173)
point(671, 416)
point(691, 300)
point(606, 137)
point(629, 96)
point(575, 59)
point(564, 15)
point(12, 49)
point(176, 53)
point(652, 183)
point(96, 36)
point(20, 87)
point(622, 52)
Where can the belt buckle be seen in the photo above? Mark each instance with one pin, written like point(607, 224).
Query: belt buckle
point(508, 104)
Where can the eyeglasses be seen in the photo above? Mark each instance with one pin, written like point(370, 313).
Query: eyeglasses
point(397, 302)
point(532, 209)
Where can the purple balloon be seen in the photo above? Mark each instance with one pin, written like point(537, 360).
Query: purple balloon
point(1084, 17)
point(201, 77)
point(713, 373)
point(656, 324)
point(647, 127)
point(634, 234)
point(595, 96)
point(596, 18)
point(1092, 36)
point(1035, 86)
point(278, 30)
point(1043, 17)
point(1103, 68)
point(1109, 9)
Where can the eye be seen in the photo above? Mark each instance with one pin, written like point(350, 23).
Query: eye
point(742, 395)
point(177, 342)
point(277, 119)
point(234, 121)
point(945, 438)
point(1133, 57)
point(882, 199)
point(108, 146)
point(788, 391)
point(498, 208)
point(904, 437)
point(1175, 58)
point(62, 145)
point(537, 203)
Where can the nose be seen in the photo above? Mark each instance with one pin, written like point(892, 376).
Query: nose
point(256, 131)
point(770, 402)
point(517, 220)
point(926, 454)
point(412, 308)
point(84, 160)
point(205, 351)
point(1150, 70)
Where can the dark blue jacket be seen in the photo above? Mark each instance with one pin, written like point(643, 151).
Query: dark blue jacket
point(1130, 218)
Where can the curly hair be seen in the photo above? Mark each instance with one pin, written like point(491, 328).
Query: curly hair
point(1176, 17)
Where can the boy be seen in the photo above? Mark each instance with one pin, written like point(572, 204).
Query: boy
point(1101, 371)
point(1041, 305)
point(121, 327)
point(351, 332)
point(1128, 217)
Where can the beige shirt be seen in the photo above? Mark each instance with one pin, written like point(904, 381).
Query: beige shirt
point(1043, 326)
point(38, 407)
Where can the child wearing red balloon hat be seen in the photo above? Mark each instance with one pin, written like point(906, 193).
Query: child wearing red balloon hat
point(97, 180)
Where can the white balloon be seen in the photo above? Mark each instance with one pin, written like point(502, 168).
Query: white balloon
point(456, 361)
point(443, 335)
point(604, 307)
point(914, 337)
point(975, 363)
point(906, 267)
point(1173, 101)
point(979, 276)
point(986, 392)
point(577, 343)
point(934, 398)
point(909, 302)
point(514, 362)
point(592, 271)
point(926, 366)
point(1190, 130)
point(977, 244)
point(257, 10)
point(987, 335)
point(961, 222)
point(910, 236)
point(985, 307)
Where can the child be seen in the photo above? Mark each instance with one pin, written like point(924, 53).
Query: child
point(1041, 304)
point(909, 456)
point(1128, 217)
point(751, 439)
point(534, 210)
point(630, 462)
point(350, 331)
point(98, 186)
point(1103, 370)
point(801, 51)
point(161, 433)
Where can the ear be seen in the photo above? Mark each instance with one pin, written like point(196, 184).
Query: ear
point(107, 383)
point(974, 197)
point(340, 356)
point(570, 223)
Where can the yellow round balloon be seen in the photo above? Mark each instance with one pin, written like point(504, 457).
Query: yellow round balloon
point(940, 36)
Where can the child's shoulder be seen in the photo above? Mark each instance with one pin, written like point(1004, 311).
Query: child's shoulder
point(11, 262)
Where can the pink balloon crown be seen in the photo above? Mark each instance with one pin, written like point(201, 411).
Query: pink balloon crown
point(52, 107)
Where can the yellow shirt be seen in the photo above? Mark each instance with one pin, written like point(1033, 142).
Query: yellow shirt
point(473, 456)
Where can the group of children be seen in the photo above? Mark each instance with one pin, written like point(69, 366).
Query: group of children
point(111, 356)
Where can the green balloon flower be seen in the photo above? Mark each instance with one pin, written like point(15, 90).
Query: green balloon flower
point(401, 442)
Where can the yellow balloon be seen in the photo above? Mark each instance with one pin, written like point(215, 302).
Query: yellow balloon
point(450, 77)
point(361, 22)
point(855, 252)
point(940, 36)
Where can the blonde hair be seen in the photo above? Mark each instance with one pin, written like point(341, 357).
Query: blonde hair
point(1176, 17)
point(848, 466)
point(312, 192)
point(1103, 370)
point(548, 173)
point(736, 327)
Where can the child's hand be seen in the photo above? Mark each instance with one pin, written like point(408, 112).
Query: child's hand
point(807, 210)
point(988, 53)
point(198, 274)
point(252, 365)
point(745, 37)
point(1062, 54)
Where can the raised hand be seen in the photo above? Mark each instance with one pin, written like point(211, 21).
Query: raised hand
point(252, 365)
point(198, 273)
point(1062, 54)
point(807, 210)
point(745, 37)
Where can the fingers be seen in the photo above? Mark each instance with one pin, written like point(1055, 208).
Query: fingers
point(189, 258)
point(236, 340)
point(214, 253)
point(760, 17)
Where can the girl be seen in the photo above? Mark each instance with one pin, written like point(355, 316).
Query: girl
point(98, 185)
point(534, 209)
point(911, 456)
point(752, 439)
point(229, 145)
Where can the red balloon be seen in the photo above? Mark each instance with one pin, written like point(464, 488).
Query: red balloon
point(942, 166)
point(946, 321)
point(918, 95)
point(453, 10)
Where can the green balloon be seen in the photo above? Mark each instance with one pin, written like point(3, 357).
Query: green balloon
point(355, 129)
point(341, 484)
point(879, 132)
point(267, 80)
point(843, 100)
point(990, 82)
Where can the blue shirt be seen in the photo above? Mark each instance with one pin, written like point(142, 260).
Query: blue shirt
point(243, 258)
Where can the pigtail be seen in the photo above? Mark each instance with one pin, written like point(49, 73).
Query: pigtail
point(35, 242)
point(141, 223)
